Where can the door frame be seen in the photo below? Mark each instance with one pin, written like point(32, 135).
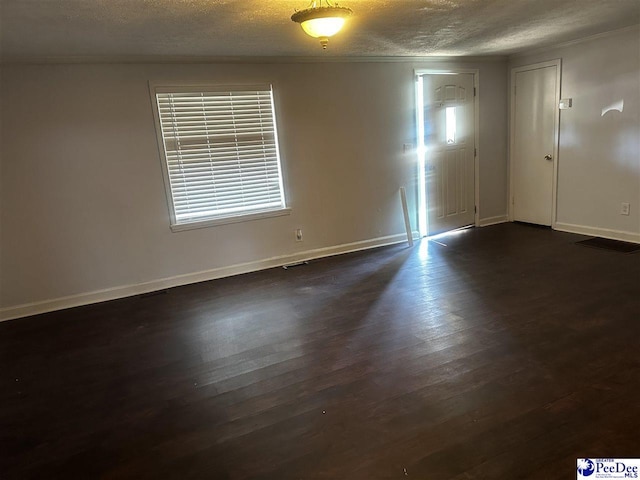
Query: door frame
point(476, 140)
point(556, 132)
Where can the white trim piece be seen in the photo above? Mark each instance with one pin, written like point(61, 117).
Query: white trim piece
point(405, 212)
point(181, 227)
point(599, 232)
point(485, 222)
point(35, 308)
point(556, 140)
point(420, 155)
point(476, 154)
point(446, 71)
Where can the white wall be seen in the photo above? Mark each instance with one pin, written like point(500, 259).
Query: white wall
point(83, 210)
point(599, 156)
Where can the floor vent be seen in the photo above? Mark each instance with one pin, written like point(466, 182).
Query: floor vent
point(291, 265)
point(607, 244)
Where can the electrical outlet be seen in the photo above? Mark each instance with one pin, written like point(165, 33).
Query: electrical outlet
point(624, 208)
point(298, 235)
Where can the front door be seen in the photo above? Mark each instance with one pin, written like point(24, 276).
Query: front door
point(449, 151)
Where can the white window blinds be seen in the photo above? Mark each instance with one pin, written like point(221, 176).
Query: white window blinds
point(221, 152)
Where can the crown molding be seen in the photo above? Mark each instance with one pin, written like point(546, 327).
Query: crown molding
point(199, 60)
point(577, 41)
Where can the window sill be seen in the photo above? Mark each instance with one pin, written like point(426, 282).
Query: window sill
point(212, 222)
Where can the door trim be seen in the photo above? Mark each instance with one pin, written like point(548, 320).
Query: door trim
point(556, 132)
point(476, 126)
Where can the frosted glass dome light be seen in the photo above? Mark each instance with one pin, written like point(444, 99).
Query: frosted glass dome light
point(322, 22)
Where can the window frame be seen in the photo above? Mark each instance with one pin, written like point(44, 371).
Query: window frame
point(156, 87)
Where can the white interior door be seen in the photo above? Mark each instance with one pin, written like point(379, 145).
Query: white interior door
point(534, 133)
point(449, 151)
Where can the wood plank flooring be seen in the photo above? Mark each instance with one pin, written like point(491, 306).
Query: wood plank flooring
point(499, 353)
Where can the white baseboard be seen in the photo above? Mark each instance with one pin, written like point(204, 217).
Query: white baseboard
point(485, 222)
point(598, 232)
point(35, 308)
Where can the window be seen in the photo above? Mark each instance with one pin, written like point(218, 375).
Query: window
point(220, 149)
point(451, 125)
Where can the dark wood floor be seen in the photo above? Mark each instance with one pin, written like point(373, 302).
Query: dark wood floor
point(506, 354)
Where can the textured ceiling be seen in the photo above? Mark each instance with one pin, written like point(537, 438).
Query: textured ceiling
point(35, 29)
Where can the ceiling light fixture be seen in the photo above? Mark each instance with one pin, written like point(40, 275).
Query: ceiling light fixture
point(320, 21)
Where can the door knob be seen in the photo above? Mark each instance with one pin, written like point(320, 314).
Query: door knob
point(548, 157)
